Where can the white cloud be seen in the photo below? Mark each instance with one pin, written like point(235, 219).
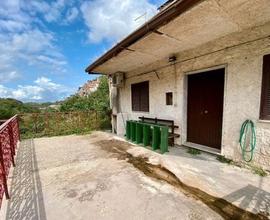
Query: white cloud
point(114, 19)
point(27, 45)
point(24, 39)
point(27, 10)
point(9, 76)
point(4, 92)
point(12, 25)
point(55, 10)
point(12, 13)
point(44, 82)
point(51, 61)
point(32, 41)
point(37, 6)
point(72, 14)
point(42, 89)
point(32, 47)
point(27, 92)
point(58, 12)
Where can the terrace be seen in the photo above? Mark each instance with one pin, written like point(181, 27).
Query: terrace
point(101, 176)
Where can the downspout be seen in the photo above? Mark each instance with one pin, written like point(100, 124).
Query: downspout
point(175, 85)
point(172, 60)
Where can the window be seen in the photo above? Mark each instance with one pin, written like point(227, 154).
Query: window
point(140, 96)
point(169, 98)
point(265, 96)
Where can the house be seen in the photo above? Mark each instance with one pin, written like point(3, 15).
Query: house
point(89, 87)
point(204, 64)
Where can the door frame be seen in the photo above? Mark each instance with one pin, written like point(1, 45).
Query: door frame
point(185, 121)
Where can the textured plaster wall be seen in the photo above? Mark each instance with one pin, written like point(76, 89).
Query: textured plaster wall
point(243, 63)
point(166, 81)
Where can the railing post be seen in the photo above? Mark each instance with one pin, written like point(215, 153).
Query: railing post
point(11, 142)
point(18, 128)
point(3, 172)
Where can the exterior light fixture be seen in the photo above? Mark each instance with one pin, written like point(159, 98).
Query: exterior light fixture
point(172, 59)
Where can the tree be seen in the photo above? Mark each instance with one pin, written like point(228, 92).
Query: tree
point(10, 107)
point(98, 100)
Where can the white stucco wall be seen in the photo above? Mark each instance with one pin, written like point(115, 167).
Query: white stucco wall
point(243, 62)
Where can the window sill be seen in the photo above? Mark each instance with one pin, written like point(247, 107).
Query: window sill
point(140, 112)
point(263, 121)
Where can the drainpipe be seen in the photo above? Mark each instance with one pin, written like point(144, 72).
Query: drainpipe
point(172, 59)
point(175, 85)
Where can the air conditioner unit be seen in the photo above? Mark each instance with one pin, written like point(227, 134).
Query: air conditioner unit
point(118, 79)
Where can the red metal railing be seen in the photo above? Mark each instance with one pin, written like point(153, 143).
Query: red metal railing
point(9, 137)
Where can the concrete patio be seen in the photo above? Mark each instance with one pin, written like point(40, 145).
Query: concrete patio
point(100, 176)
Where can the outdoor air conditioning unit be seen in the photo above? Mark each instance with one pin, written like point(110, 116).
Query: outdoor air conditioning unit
point(118, 79)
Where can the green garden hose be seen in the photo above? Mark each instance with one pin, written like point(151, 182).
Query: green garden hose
point(247, 140)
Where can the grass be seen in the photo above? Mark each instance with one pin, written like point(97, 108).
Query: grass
point(223, 159)
point(255, 169)
point(194, 151)
point(259, 171)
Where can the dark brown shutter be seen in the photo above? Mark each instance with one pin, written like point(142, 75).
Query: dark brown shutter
point(135, 97)
point(144, 97)
point(140, 96)
point(265, 96)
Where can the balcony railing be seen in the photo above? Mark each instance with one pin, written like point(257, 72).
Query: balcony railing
point(9, 138)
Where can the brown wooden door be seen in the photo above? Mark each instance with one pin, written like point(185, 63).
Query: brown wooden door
point(205, 108)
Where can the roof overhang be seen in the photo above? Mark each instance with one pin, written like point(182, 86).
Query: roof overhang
point(184, 25)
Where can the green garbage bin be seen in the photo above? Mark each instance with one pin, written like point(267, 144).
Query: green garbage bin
point(128, 130)
point(133, 131)
point(146, 134)
point(155, 137)
point(139, 133)
point(164, 139)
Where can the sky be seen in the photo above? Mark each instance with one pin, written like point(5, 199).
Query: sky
point(45, 45)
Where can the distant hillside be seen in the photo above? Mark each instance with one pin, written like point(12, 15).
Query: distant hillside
point(45, 106)
point(10, 107)
point(95, 96)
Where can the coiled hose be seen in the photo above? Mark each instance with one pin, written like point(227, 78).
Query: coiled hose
point(247, 140)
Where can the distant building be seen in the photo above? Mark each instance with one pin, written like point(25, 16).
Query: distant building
point(89, 87)
point(55, 106)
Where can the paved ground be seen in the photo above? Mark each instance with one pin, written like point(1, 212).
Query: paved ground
point(75, 177)
point(98, 176)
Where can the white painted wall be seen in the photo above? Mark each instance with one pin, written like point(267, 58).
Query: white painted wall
point(241, 96)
